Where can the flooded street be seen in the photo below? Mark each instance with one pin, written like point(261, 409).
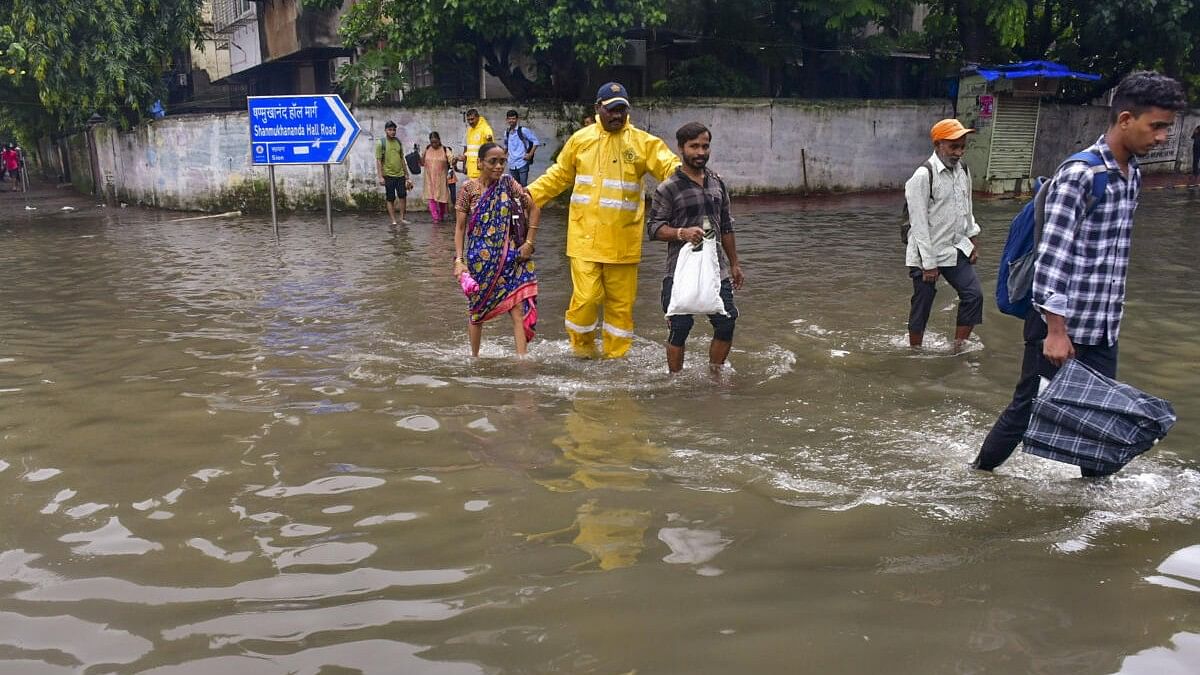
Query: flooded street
point(220, 453)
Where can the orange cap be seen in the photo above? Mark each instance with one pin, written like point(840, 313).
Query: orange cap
point(949, 129)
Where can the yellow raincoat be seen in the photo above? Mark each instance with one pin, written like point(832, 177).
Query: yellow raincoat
point(476, 136)
point(604, 226)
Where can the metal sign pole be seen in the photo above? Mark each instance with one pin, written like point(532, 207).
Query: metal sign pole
point(274, 220)
point(328, 202)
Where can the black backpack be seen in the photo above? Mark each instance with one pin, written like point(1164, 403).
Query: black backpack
point(414, 160)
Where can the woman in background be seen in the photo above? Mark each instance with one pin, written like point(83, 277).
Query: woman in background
point(436, 163)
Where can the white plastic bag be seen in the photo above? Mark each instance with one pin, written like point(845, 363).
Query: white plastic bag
point(697, 285)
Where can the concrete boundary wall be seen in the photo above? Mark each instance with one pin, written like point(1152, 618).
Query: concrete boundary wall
point(202, 162)
point(1067, 129)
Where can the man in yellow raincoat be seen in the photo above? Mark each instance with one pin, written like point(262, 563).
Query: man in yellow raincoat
point(478, 133)
point(605, 163)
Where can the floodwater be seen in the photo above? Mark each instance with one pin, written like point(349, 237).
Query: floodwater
point(220, 453)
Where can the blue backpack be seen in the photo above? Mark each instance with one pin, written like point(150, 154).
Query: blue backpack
point(1014, 283)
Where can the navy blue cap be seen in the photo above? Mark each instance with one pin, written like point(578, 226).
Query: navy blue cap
point(612, 95)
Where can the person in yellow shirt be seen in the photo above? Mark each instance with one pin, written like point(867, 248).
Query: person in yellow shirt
point(478, 133)
point(604, 164)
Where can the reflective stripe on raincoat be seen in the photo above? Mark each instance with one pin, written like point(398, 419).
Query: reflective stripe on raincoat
point(607, 200)
point(476, 136)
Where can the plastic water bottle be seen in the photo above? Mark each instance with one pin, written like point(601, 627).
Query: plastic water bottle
point(706, 225)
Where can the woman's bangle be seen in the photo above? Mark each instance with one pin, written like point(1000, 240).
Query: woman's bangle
point(459, 259)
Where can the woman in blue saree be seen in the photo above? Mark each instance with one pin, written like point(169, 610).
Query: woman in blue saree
point(495, 227)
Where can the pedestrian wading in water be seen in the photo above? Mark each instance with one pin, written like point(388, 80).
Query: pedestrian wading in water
point(691, 197)
point(1082, 257)
point(494, 232)
point(941, 240)
point(604, 166)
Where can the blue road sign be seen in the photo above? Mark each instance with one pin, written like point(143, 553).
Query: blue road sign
point(300, 129)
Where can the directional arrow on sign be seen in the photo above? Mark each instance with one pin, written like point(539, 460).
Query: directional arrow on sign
point(300, 129)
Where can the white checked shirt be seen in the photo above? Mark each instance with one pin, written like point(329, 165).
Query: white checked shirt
point(942, 227)
point(1082, 261)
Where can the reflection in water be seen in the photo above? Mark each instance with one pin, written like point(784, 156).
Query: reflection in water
point(1180, 565)
point(226, 454)
point(75, 639)
point(1181, 658)
point(612, 537)
point(604, 448)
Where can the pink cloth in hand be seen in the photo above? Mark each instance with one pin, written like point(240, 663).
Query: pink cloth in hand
point(468, 284)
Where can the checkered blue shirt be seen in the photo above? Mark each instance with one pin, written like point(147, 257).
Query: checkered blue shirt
point(1082, 261)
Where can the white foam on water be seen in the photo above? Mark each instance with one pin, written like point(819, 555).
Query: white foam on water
point(422, 381)
point(925, 469)
point(1146, 492)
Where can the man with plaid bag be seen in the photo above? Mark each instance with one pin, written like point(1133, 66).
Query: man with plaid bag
point(1083, 256)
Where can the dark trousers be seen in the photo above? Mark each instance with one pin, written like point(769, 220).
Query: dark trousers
point(961, 278)
point(1002, 440)
point(521, 174)
point(679, 326)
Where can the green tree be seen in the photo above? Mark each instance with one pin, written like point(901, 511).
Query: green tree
point(800, 42)
point(560, 35)
point(65, 60)
point(1110, 37)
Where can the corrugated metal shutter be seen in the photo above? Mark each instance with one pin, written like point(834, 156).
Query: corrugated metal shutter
point(1013, 136)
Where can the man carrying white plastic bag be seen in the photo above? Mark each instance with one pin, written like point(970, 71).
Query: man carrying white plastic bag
point(690, 211)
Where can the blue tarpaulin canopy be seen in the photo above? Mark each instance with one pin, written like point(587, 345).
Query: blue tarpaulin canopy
point(1024, 69)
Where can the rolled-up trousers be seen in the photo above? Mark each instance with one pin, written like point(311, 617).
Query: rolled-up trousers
point(962, 278)
point(608, 286)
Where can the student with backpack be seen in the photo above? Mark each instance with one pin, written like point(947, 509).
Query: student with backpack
point(941, 234)
point(521, 144)
point(393, 173)
point(1081, 254)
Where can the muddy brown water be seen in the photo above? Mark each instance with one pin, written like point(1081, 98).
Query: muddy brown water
point(223, 453)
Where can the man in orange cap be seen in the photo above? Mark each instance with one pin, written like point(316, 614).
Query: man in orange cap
point(941, 241)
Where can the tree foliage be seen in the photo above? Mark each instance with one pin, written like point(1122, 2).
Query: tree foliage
point(1110, 37)
point(65, 60)
point(561, 36)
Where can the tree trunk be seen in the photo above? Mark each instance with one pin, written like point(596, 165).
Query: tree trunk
point(497, 62)
point(970, 35)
